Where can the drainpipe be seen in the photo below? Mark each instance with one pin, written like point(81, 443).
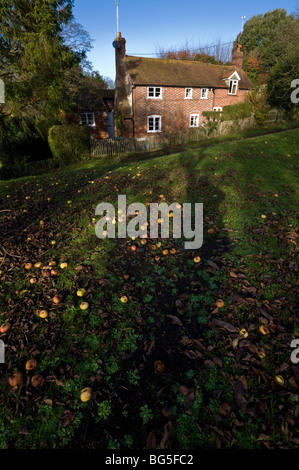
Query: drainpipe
point(213, 90)
point(133, 111)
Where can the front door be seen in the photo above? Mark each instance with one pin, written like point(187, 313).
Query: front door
point(110, 122)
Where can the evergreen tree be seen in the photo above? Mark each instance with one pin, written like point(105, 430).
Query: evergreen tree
point(34, 58)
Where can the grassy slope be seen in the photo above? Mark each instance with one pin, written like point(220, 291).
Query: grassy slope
point(112, 347)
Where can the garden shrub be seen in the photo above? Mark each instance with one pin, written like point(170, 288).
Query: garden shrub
point(20, 142)
point(237, 111)
point(69, 142)
point(10, 171)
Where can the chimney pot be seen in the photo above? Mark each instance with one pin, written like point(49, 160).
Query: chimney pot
point(237, 58)
point(119, 35)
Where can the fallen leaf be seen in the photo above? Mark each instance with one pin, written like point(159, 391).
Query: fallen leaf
point(241, 392)
point(226, 326)
point(166, 439)
point(185, 390)
point(175, 320)
point(151, 442)
point(68, 418)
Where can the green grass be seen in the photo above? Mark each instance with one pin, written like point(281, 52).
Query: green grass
point(107, 347)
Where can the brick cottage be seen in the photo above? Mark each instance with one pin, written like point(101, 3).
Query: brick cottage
point(156, 96)
point(95, 108)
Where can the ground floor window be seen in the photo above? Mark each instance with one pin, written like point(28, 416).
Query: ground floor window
point(87, 118)
point(194, 120)
point(154, 124)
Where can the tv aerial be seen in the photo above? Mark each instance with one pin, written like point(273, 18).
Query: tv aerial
point(115, 43)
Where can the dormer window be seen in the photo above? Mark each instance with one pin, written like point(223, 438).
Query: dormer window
point(233, 87)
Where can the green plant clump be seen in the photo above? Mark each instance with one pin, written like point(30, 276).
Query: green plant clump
point(69, 142)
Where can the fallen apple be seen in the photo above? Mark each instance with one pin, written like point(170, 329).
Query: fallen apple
point(197, 259)
point(37, 380)
point(124, 299)
point(159, 366)
point(63, 265)
point(33, 280)
point(84, 305)
point(133, 247)
point(219, 303)
point(126, 276)
point(43, 314)
point(264, 330)
point(31, 365)
point(81, 292)
point(58, 299)
point(15, 379)
point(165, 252)
point(46, 273)
point(86, 394)
point(28, 266)
point(5, 327)
point(243, 332)
point(38, 265)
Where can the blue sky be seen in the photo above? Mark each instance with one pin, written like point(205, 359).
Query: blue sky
point(147, 26)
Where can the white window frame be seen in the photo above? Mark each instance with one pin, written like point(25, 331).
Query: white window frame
point(188, 91)
point(232, 84)
point(204, 96)
point(195, 122)
point(154, 88)
point(217, 109)
point(90, 123)
point(154, 117)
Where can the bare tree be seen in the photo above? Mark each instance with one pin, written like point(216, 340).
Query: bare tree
point(79, 41)
point(215, 51)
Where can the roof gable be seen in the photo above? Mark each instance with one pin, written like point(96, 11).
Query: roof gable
point(233, 76)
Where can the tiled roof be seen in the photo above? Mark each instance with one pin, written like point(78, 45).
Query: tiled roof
point(181, 73)
point(94, 99)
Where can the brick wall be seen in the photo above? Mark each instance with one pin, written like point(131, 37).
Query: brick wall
point(222, 98)
point(100, 131)
point(174, 109)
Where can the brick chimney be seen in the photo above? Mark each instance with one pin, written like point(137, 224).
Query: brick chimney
point(120, 79)
point(237, 59)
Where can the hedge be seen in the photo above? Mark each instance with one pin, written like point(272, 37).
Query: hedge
point(231, 112)
point(237, 111)
point(69, 142)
